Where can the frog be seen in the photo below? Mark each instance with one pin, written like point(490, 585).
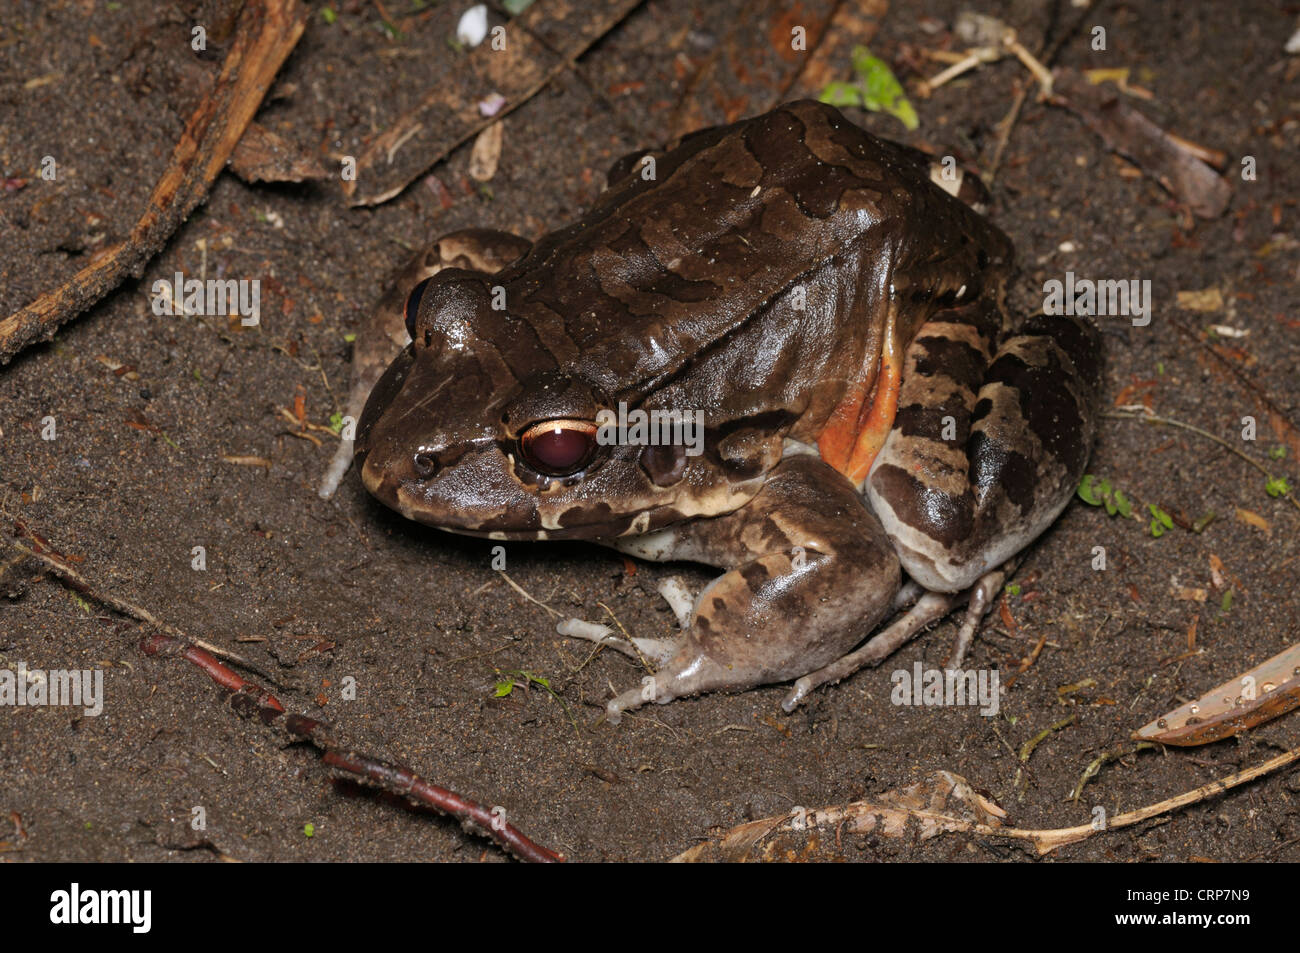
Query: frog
point(880, 441)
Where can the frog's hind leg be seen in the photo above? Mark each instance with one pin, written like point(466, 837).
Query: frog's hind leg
point(929, 609)
point(384, 336)
point(986, 450)
point(808, 574)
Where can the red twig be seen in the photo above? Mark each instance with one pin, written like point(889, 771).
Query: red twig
point(249, 699)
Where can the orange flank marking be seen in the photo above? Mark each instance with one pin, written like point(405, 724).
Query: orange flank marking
point(857, 430)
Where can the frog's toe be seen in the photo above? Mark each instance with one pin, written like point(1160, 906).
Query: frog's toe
point(655, 650)
point(690, 672)
point(679, 598)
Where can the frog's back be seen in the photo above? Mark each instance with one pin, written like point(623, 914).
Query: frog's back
point(666, 269)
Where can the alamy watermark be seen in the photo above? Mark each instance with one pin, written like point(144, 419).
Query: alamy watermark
point(75, 688)
point(1106, 297)
point(948, 688)
point(215, 296)
point(653, 428)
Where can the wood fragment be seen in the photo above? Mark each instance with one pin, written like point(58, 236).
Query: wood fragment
point(1265, 692)
point(541, 43)
point(943, 803)
point(267, 32)
point(1160, 155)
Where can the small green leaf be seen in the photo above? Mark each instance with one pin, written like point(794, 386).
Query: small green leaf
point(1123, 505)
point(309, 829)
point(1161, 516)
point(336, 421)
point(1226, 603)
point(504, 688)
point(544, 682)
point(1160, 368)
point(1156, 530)
point(1013, 589)
point(1277, 486)
point(1085, 491)
point(349, 337)
point(881, 91)
point(1277, 453)
point(840, 95)
point(329, 16)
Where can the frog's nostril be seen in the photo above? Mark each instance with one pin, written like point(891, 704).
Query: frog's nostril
point(426, 465)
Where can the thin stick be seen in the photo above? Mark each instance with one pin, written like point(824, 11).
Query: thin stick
point(268, 31)
point(250, 700)
point(1146, 415)
point(81, 584)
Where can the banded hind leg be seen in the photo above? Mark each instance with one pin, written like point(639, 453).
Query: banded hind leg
point(985, 451)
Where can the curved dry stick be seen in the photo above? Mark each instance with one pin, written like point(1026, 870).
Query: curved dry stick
point(891, 820)
point(268, 31)
point(249, 699)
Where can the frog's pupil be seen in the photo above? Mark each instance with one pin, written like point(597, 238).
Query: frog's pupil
point(559, 449)
point(413, 307)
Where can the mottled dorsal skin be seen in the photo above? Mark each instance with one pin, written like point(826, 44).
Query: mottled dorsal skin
point(764, 275)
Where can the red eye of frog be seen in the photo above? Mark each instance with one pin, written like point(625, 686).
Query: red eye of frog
point(559, 447)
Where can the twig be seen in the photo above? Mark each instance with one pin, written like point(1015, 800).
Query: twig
point(249, 700)
point(891, 819)
point(268, 31)
point(523, 592)
point(76, 581)
point(1146, 415)
point(543, 41)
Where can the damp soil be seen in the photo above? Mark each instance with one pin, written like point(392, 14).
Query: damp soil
point(148, 411)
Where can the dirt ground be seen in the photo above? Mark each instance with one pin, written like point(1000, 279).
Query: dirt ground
point(318, 592)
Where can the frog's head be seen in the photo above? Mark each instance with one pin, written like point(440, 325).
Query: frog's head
point(474, 429)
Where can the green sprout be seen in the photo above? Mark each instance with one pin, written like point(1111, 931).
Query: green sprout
point(1160, 521)
point(875, 89)
point(520, 678)
point(1100, 493)
point(1277, 486)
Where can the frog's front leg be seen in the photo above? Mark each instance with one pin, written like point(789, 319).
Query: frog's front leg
point(384, 333)
point(809, 573)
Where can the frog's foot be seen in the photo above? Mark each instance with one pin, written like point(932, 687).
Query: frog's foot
point(930, 608)
point(808, 573)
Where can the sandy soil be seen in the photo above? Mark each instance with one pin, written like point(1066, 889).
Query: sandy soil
point(316, 592)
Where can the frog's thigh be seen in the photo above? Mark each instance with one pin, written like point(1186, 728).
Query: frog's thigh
point(982, 459)
point(809, 574)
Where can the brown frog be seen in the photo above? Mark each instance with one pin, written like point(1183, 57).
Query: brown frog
point(830, 314)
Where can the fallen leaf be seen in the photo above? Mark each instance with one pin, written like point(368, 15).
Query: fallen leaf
point(1207, 299)
point(486, 153)
point(1254, 519)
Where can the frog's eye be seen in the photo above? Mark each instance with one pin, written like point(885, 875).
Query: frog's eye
point(559, 447)
point(413, 306)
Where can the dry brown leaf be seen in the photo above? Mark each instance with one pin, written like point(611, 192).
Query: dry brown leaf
point(1254, 519)
point(486, 153)
point(1207, 299)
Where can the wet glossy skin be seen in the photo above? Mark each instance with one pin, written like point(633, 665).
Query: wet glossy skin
point(776, 275)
